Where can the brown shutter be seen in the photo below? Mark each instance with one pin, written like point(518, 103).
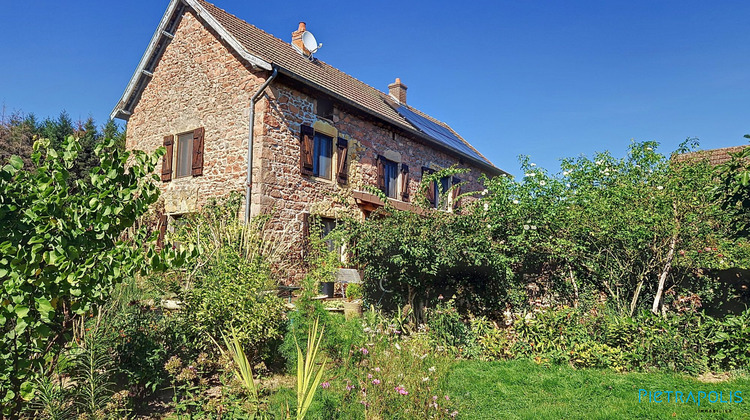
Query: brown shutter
point(431, 193)
point(166, 163)
point(404, 182)
point(198, 151)
point(381, 173)
point(341, 157)
point(306, 149)
point(162, 231)
point(456, 191)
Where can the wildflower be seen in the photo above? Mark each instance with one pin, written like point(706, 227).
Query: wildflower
point(659, 188)
point(567, 185)
point(515, 201)
point(649, 149)
point(425, 379)
point(533, 227)
point(434, 398)
point(440, 297)
point(325, 385)
point(454, 413)
point(376, 381)
point(447, 398)
point(432, 369)
point(533, 164)
point(397, 346)
point(401, 390)
point(364, 351)
point(173, 365)
point(484, 191)
point(542, 183)
point(489, 226)
point(530, 174)
point(369, 376)
point(377, 369)
point(486, 206)
point(526, 227)
point(598, 162)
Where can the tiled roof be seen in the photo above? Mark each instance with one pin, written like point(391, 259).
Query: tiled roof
point(320, 74)
point(714, 156)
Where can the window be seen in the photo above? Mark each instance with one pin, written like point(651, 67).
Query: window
point(188, 156)
point(391, 179)
point(328, 225)
point(184, 155)
point(322, 153)
point(388, 177)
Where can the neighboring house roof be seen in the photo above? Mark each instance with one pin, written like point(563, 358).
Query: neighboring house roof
point(714, 156)
point(263, 50)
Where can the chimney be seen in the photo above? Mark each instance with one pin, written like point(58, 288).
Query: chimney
point(397, 90)
point(297, 39)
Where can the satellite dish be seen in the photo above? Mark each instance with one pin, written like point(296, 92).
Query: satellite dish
point(308, 40)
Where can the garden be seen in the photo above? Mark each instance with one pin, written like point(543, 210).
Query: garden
point(593, 292)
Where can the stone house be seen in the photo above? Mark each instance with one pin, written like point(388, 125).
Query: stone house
point(241, 110)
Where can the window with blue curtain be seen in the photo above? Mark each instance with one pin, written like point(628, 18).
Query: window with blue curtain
point(391, 179)
point(322, 156)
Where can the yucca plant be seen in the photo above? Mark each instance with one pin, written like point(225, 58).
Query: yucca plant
point(243, 369)
point(307, 379)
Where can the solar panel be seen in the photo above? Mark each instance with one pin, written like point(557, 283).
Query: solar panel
point(437, 132)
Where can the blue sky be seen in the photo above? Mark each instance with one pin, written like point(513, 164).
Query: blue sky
point(546, 79)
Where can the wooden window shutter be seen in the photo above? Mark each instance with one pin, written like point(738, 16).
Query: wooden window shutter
point(198, 135)
point(404, 183)
point(162, 231)
point(431, 193)
point(166, 163)
point(381, 173)
point(306, 149)
point(341, 157)
point(456, 191)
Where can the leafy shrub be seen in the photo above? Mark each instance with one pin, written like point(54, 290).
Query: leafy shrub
point(353, 291)
point(229, 283)
point(730, 341)
point(447, 329)
point(61, 250)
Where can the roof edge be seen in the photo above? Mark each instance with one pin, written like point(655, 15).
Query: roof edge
point(135, 85)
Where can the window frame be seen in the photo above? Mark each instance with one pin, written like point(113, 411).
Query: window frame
point(391, 168)
point(317, 137)
point(177, 163)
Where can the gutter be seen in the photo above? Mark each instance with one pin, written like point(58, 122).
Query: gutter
point(253, 100)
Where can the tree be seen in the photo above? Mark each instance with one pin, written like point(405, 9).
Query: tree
point(62, 249)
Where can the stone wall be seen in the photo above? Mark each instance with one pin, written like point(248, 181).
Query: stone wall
point(199, 82)
point(283, 190)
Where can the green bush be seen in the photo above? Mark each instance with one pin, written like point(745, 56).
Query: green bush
point(62, 251)
point(230, 284)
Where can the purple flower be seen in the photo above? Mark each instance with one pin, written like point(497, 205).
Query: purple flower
point(364, 351)
point(401, 390)
point(447, 398)
point(376, 381)
point(454, 413)
point(377, 369)
point(325, 385)
point(369, 376)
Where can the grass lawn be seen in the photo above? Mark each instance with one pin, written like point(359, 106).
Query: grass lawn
point(525, 390)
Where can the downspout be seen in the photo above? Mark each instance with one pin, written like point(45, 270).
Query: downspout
point(253, 101)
